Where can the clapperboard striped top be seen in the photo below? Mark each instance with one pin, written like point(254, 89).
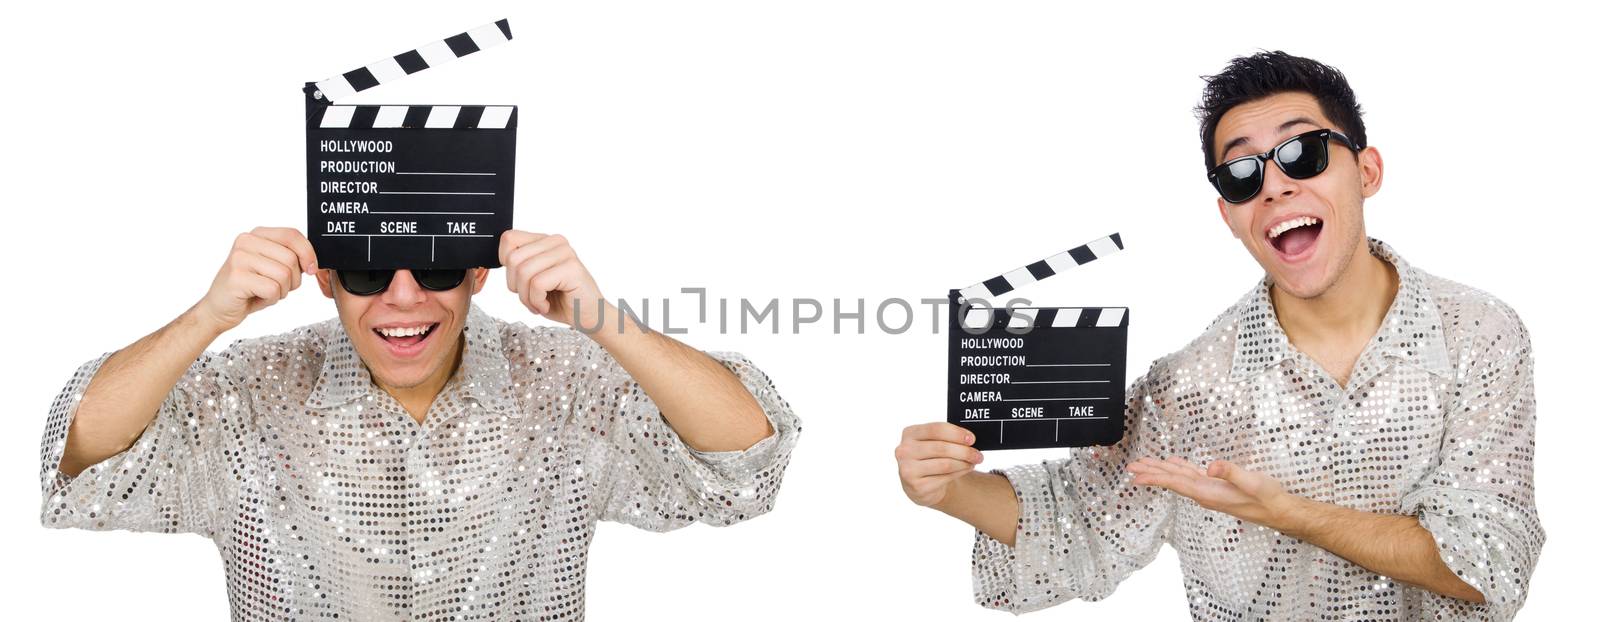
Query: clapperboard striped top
point(404, 64)
point(1044, 268)
point(1055, 317)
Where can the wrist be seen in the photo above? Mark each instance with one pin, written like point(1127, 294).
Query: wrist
point(952, 492)
point(1291, 515)
point(202, 323)
point(610, 327)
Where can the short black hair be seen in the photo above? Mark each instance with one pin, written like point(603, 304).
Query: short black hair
point(1249, 78)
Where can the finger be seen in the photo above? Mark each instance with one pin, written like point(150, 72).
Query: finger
point(1166, 467)
point(1168, 481)
point(305, 257)
point(1185, 463)
point(923, 450)
point(525, 264)
point(533, 297)
point(942, 480)
point(1225, 470)
point(562, 277)
point(542, 244)
point(1139, 466)
point(511, 239)
point(515, 272)
point(275, 252)
point(939, 431)
point(1173, 467)
point(934, 466)
point(258, 286)
point(282, 274)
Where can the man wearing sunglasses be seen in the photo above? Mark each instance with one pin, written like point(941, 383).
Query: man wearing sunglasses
point(413, 458)
point(1351, 440)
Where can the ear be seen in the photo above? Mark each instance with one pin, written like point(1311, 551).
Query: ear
point(478, 276)
point(325, 281)
point(1371, 164)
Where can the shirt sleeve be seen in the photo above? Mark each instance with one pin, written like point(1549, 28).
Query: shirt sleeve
point(641, 472)
point(165, 481)
point(1082, 526)
point(1478, 499)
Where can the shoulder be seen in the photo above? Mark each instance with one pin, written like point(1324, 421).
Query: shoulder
point(290, 360)
point(535, 347)
point(1473, 318)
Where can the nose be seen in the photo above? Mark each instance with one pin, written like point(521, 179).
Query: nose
point(403, 290)
point(1277, 186)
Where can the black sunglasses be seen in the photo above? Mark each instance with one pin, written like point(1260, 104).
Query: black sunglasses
point(1301, 157)
point(369, 282)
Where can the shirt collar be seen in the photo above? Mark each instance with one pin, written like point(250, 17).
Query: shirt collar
point(1411, 330)
point(484, 375)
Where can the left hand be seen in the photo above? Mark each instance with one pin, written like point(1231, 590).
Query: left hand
point(546, 275)
point(1222, 486)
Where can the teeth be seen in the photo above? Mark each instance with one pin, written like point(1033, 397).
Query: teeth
point(1303, 221)
point(403, 332)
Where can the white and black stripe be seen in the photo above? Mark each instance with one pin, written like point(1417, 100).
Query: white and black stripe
point(412, 61)
point(414, 117)
point(1043, 269)
point(1045, 317)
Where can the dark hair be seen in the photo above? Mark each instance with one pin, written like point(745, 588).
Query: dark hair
point(1248, 78)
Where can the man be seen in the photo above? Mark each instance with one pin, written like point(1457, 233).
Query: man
point(415, 458)
point(1352, 440)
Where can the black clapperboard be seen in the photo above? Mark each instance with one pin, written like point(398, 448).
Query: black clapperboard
point(1031, 377)
point(391, 187)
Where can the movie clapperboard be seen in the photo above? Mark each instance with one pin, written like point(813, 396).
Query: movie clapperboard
point(409, 186)
point(1032, 377)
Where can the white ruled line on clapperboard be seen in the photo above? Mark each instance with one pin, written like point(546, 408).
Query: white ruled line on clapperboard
point(444, 117)
point(1039, 323)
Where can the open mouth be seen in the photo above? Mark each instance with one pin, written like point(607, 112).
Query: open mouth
point(405, 340)
point(1295, 238)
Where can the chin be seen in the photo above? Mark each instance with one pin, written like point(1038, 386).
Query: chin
point(407, 369)
point(403, 379)
point(1298, 249)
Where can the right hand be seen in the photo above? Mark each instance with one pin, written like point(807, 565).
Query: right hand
point(263, 266)
point(932, 456)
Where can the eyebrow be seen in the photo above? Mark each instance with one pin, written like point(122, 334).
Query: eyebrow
point(1245, 140)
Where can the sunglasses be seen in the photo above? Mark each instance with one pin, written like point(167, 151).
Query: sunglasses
point(369, 282)
point(1301, 157)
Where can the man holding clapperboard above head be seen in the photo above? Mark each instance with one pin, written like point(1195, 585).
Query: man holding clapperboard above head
point(413, 458)
point(1352, 440)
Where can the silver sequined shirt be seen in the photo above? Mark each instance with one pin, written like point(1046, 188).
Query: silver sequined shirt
point(326, 500)
point(1436, 421)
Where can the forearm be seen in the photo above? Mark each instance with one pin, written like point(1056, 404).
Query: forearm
point(706, 404)
point(986, 501)
point(128, 388)
point(1395, 546)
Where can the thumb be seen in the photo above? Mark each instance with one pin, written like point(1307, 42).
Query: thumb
point(1225, 470)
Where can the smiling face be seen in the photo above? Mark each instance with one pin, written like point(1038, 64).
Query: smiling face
point(1303, 232)
point(407, 336)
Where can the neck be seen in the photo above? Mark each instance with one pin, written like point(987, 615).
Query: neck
point(418, 398)
point(1349, 312)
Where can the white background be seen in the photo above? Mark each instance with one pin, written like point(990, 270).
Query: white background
point(802, 149)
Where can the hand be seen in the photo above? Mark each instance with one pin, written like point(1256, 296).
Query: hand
point(1221, 486)
point(545, 273)
point(932, 456)
point(263, 266)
